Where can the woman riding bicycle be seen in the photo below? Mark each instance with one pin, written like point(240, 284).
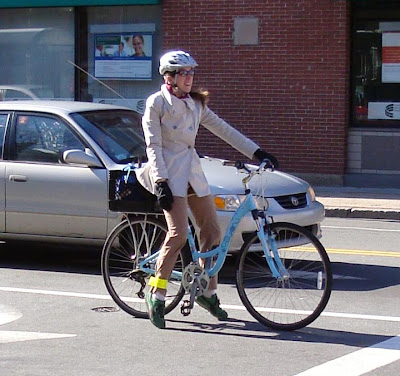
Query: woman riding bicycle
point(170, 123)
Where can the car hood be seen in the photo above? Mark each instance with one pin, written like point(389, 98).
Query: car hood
point(226, 180)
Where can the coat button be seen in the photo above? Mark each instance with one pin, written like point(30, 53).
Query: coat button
point(191, 128)
point(189, 147)
point(174, 127)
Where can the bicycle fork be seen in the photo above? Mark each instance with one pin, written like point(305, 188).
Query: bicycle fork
point(270, 249)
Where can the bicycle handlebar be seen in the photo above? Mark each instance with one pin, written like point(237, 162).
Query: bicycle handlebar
point(241, 166)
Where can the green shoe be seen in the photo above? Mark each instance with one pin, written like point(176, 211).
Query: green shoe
point(156, 310)
point(212, 306)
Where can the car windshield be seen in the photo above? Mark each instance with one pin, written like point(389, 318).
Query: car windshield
point(42, 92)
point(118, 132)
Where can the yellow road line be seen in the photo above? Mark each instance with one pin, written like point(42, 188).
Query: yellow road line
point(351, 252)
point(363, 252)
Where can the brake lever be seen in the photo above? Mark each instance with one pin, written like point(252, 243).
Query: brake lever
point(267, 164)
point(239, 165)
point(242, 166)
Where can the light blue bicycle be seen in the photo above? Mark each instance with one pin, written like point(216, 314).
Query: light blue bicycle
point(283, 273)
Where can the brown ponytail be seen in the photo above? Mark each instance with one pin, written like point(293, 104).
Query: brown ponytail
point(200, 95)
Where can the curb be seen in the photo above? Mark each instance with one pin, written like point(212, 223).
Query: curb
point(362, 213)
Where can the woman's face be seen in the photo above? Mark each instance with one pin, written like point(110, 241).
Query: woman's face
point(138, 45)
point(184, 79)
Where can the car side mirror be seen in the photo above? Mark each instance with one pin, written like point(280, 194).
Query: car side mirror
point(76, 156)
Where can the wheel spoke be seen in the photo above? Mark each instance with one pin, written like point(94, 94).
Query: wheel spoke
point(293, 302)
point(129, 243)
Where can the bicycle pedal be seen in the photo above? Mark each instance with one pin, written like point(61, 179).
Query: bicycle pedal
point(140, 295)
point(186, 308)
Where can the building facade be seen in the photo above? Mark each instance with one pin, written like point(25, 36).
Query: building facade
point(315, 82)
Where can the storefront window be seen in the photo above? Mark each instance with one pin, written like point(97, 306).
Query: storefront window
point(376, 72)
point(35, 47)
point(123, 48)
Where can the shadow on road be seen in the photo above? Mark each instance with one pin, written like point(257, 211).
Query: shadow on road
point(362, 277)
point(55, 258)
point(251, 329)
point(62, 258)
point(346, 276)
point(86, 260)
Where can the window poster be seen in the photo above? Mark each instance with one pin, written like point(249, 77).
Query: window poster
point(391, 57)
point(126, 56)
point(384, 110)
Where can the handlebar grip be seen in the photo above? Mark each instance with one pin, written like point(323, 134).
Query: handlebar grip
point(239, 165)
point(229, 163)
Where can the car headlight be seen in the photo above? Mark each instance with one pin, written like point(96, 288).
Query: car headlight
point(227, 202)
point(310, 194)
point(232, 202)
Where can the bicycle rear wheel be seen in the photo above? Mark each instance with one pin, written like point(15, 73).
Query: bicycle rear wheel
point(294, 302)
point(128, 244)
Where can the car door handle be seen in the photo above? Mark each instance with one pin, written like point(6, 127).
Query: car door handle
point(18, 178)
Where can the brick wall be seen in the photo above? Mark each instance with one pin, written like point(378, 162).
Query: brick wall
point(289, 93)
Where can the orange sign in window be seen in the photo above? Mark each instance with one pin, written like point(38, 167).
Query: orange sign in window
point(391, 55)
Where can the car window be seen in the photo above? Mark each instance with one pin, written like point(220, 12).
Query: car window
point(3, 124)
point(118, 132)
point(43, 139)
point(12, 94)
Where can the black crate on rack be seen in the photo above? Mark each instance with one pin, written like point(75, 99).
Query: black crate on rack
point(127, 195)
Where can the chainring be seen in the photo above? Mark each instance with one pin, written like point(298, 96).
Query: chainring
point(194, 273)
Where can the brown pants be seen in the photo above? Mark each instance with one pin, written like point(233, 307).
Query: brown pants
point(204, 212)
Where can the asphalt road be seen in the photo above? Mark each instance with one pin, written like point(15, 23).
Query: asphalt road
point(56, 318)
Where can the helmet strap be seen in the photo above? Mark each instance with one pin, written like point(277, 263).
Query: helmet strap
point(176, 88)
point(173, 87)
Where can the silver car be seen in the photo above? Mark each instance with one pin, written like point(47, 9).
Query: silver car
point(25, 92)
point(54, 169)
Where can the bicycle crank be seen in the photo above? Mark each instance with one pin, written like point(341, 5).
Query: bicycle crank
point(195, 281)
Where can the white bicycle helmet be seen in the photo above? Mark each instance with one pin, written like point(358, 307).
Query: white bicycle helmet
point(174, 60)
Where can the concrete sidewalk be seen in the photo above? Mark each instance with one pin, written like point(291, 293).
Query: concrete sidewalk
point(349, 202)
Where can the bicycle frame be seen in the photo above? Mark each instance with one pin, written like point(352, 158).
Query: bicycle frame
point(266, 239)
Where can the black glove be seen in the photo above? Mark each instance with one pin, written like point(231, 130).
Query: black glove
point(164, 196)
point(261, 155)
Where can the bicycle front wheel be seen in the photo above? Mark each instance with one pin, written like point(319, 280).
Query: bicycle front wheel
point(292, 302)
point(127, 245)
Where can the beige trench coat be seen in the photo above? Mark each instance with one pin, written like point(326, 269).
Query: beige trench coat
point(170, 127)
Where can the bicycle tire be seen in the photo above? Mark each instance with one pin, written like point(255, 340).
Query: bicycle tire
point(293, 303)
point(127, 244)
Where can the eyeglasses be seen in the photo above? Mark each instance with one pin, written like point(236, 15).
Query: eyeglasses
point(184, 73)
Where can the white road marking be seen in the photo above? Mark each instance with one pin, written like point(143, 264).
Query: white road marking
point(326, 314)
point(361, 228)
point(359, 362)
point(348, 277)
point(7, 315)
point(15, 336)
point(57, 293)
point(360, 316)
point(228, 306)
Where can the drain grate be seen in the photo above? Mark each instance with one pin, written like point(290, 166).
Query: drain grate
point(105, 309)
